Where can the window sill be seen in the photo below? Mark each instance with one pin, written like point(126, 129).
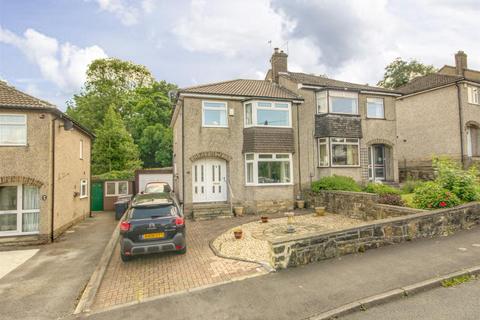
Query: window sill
point(345, 166)
point(83, 197)
point(13, 145)
point(368, 118)
point(205, 126)
point(16, 233)
point(270, 185)
point(260, 126)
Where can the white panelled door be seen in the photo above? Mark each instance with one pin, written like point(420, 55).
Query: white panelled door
point(209, 180)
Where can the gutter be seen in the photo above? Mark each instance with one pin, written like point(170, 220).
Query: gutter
point(183, 157)
point(298, 150)
point(460, 117)
point(52, 222)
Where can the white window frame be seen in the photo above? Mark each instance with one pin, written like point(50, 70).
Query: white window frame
point(325, 100)
point(342, 94)
point(274, 158)
point(19, 211)
point(473, 95)
point(344, 143)
point(326, 142)
point(375, 100)
point(83, 182)
point(116, 194)
point(16, 124)
point(217, 109)
point(256, 107)
point(81, 149)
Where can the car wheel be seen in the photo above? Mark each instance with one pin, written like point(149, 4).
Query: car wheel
point(125, 258)
point(183, 251)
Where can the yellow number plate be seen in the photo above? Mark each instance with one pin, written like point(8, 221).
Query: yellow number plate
point(154, 235)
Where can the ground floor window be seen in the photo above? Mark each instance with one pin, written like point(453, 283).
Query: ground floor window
point(116, 188)
point(339, 152)
point(268, 168)
point(19, 209)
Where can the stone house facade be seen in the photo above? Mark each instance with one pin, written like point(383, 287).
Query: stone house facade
point(44, 172)
point(259, 143)
point(439, 115)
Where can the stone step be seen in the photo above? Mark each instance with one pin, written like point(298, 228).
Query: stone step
point(211, 211)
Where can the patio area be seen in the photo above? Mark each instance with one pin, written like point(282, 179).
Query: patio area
point(255, 244)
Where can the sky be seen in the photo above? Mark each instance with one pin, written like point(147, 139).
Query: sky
point(46, 45)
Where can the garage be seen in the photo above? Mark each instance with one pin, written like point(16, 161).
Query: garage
point(144, 176)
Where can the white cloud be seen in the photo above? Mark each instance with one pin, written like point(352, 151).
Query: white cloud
point(128, 12)
point(63, 64)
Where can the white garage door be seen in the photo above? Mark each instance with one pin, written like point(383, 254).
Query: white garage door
point(145, 178)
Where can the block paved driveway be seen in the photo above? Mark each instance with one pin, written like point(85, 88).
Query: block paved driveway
point(160, 274)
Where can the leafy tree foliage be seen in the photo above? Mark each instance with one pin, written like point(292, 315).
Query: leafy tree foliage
point(400, 72)
point(140, 101)
point(114, 148)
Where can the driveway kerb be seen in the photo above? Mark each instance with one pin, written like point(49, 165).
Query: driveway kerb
point(88, 295)
point(365, 303)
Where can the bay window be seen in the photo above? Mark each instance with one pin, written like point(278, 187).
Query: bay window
point(345, 151)
point(214, 114)
point(323, 154)
point(322, 105)
point(19, 209)
point(13, 129)
point(342, 102)
point(473, 95)
point(375, 108)
point(268, 168)
point(267, 114)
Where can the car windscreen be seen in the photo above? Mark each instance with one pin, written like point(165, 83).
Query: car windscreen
point(153, 212)
point(157, 188)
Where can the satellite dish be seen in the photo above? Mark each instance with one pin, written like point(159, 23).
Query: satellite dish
point(67, 125)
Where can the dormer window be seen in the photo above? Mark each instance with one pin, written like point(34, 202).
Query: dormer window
point(341, 102)
point(268, 114)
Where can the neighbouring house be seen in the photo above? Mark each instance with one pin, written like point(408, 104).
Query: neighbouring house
point(439, 115)
point(258, 143)
point(346, 128)
point(105, 192)
point(45, 169)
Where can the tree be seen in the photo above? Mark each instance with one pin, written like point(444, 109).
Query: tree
point(109, 82)
point(400, 72)
point(156, 146)
point(114, 148)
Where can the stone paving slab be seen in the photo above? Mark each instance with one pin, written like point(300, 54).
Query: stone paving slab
point(10, 260)
point(161, 274)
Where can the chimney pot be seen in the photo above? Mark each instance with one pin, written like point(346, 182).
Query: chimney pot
point(275, 50)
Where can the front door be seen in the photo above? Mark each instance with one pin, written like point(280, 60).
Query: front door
point(376, 162)
point(209, 177)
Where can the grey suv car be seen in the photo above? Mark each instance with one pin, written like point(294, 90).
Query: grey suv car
point(153, 223)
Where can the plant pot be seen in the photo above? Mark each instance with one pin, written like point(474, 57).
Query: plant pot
point(264, 219)
point(320, 211)
point(300, 204)
point(238, 211)
point(238, 234)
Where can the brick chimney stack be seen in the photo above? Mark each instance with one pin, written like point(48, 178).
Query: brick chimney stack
point(461, 62)
point(279, 63)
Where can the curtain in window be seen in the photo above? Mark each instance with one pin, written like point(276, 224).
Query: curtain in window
point(31, 201)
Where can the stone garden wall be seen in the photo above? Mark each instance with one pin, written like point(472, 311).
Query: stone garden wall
point(306, 249)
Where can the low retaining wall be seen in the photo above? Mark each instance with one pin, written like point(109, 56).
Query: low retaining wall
point(307, 249)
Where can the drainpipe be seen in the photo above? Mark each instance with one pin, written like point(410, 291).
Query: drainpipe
point(460, 117)
point(298, 150)
point(52, 224)
point(183, 156)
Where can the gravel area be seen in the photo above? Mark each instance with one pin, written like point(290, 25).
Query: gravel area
point(254, 245)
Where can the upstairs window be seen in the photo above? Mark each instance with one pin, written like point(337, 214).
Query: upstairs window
point(322, 105)
point(13, 130)
point(473, 95)
point(375, 108)
point(267, 114)
point(81, 149)
point(214, 114)
point(343, 102)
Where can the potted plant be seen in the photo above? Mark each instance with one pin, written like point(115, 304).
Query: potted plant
point(238, 233)
point(264, 219)
point(238, 211)
point(300, 203)
point(320, 211)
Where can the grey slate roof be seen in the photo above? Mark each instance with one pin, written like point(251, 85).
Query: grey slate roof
point(309, 79)
point(245, 88)
point(428, 81)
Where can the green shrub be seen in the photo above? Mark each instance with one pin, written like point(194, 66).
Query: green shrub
point(336, 183)
point(408, 200)
point(410, 184)
point(461, 182)
point(432, 195)
point(381, 189)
